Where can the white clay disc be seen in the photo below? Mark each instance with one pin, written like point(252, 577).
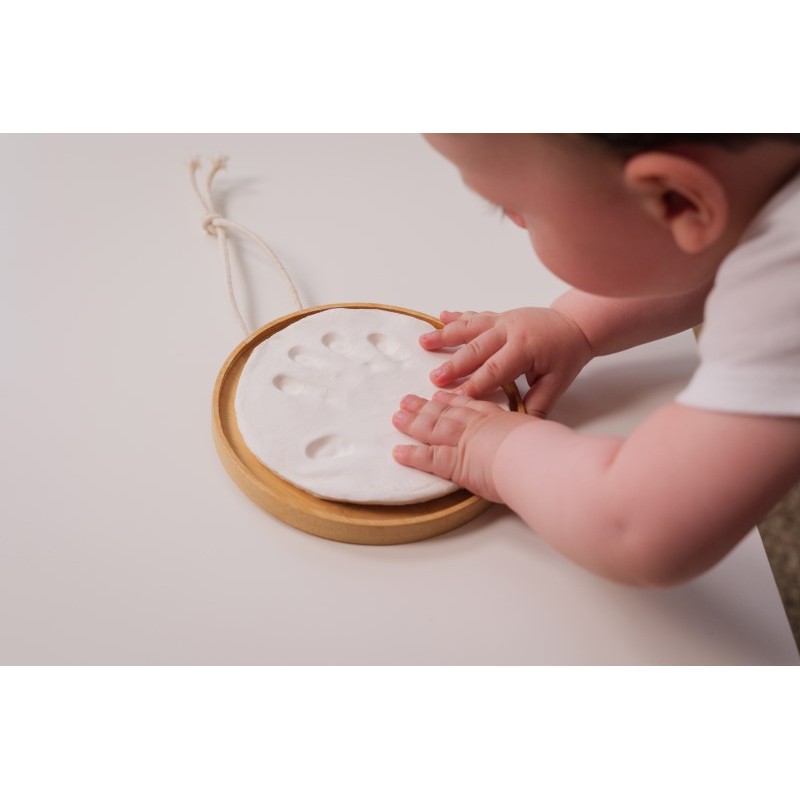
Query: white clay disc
point(315, 402)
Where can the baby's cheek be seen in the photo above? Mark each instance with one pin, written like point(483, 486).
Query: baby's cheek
point(567, 261)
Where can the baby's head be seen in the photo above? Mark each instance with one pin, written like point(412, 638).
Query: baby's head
point(626, 214)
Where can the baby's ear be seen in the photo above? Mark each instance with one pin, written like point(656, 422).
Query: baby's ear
point(681, 194)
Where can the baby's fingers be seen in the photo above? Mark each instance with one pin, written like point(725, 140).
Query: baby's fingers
point(436, 459)
point(460, 327)
point(432, 421)
point(492, 374)
point(477, 355)
point(436, 424)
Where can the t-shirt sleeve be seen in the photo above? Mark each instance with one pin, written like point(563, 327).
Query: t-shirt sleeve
point(750, 341)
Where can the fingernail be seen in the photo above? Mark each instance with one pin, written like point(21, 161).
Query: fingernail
point(401, 416)
point(438, 373)
point(411, 402)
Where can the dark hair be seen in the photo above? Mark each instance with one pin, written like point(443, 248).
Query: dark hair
point(629, 144)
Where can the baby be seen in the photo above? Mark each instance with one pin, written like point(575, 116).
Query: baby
point(656, 233)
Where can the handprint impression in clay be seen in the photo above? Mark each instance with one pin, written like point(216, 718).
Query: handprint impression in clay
point(315, 403)
point(338, 359)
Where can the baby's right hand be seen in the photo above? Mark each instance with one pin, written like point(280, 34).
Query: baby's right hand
point(544, 345)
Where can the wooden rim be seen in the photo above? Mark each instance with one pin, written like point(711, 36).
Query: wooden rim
point(342, 522)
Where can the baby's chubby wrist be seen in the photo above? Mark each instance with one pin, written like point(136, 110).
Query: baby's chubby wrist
point(584, 350)
point(479, 446)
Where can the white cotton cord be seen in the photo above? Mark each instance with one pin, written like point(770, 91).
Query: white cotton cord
point(217, 225)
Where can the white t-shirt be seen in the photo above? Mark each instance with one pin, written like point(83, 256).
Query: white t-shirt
point(750, 341)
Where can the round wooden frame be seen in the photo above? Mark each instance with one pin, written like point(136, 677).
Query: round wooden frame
point(342, 522)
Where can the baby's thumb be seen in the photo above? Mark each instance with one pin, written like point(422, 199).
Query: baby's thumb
point(541, 397)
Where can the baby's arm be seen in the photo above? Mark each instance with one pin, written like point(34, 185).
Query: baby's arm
point(551, 346)
point(656, 508)
point(612, 324)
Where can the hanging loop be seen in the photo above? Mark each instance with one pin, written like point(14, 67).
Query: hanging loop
point(217, 225)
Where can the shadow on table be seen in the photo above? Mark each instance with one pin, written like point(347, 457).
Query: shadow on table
point(605, 389)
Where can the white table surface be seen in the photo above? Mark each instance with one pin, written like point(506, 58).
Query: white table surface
point(122, 539)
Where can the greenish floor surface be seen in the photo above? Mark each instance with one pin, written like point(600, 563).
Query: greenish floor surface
point(780, 533)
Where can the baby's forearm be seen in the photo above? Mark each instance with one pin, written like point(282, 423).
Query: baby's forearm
point(612, 324)
point(554, 480)
point(658, 507)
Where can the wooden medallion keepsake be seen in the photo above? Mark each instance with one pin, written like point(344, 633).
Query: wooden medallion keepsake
point(343, 522)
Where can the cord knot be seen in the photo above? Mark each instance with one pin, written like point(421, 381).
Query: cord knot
point(215, 224)
point(209, 223)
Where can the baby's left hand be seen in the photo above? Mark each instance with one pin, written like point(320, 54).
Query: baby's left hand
point(459, 436)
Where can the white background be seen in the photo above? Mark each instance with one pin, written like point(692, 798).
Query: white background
point(430, 65)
